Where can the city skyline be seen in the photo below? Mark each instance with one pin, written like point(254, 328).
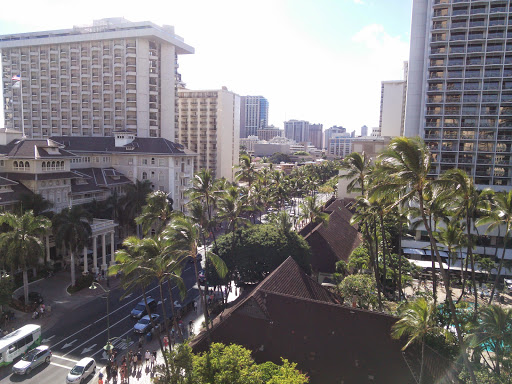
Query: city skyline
point(345, 45)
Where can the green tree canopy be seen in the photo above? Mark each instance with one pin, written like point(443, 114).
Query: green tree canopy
point(278, 157)
point(360, 287)
point(259, 250)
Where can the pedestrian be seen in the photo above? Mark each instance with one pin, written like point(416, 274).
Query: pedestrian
point(139, 359)
point(195, 306)
point(134, 362)
point(180, 324)
point(128, 364)
point(114, 372)
point(153, 359)
point(147, 355)
point(190, 327)
point(166, 342)
point(107, 370)
point(100, 381)
point(141, 341)
point(123, 372)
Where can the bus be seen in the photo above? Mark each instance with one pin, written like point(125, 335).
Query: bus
point(18, 342)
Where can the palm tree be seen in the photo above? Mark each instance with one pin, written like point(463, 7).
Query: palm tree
point(312, 211)
point(72, 230)
point(247, 171)
point(134, 199)
point(34, 202)
point(186, 236)
point(416, 322)
point(156, 213)
point(22, 243)
point(492, 335)
point(407, 161)
point(469, 201)
point(357, 167)
point(134, 260)
point(498, 214)
point(452, 237)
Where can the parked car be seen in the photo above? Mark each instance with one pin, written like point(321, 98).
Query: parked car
point(144, 325)
point(33, 298)
point(140, 309)
point(82, 370)
point(32, 359)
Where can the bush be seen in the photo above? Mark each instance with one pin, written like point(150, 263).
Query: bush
point(84, 281)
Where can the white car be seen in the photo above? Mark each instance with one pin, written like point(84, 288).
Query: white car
point(82, 370)
point(508, 285)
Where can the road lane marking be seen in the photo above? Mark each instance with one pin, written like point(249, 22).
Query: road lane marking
point(60, 365)
point(88, 340)
point(64, 358)
point(119, 337)
point(44, 341)
point(67, 345)
point(104, 317)
point(88, 349)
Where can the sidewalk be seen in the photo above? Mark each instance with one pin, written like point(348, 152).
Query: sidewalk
point(144, 375)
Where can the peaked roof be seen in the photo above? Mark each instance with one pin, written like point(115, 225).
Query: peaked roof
point(107, 144)
point(290, 315)
point(333, 242)
point(34, 148)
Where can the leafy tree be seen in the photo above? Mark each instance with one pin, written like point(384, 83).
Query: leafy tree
point(279, 157)
point(358, 286)
point(134, 199)
point(33, 202)
point(259, 250)
point(359, 259)
point(21, 243)
point(6, 290)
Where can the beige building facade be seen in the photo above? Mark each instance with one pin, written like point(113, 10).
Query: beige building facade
point(209, 125)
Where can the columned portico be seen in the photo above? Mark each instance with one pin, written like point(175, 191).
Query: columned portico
point(103, 253)
point(95, 254)
point(105, 230)
point(112, 249)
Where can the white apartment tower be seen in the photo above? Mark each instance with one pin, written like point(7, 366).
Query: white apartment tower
point(459, 91)
point(112, 76)
point(209, 125)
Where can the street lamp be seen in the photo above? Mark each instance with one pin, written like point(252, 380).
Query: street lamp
point(94, 285)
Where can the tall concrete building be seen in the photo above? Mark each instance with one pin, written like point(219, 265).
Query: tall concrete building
point(459, 91)
point(253, 115)
point(297, 130)
point(209, 125)
point(330, 132)
point(316, 135)
point(364, 131)
point(392, 101)
point(114, 75)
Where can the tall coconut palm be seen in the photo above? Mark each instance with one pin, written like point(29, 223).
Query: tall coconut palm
point(132, 261)
point(34, 202)
point(492, 336)
point(72, 230)
point(134, 199)
point(452, 237)
point(407, 161)
point(186, 237)
point(156, 213)
point(246, 171)
point(312, 211)
point(468, 201)
point(22, 243)
point(498, 214)
point(416, 322)
point(356, 168)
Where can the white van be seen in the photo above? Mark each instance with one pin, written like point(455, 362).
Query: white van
point(18, 342)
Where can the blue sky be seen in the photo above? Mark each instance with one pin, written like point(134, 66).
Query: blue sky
point(315, 60)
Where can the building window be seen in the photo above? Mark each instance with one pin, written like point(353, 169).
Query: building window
point(152, 161)
point(161, 162)
point(144, 176)
point(144, 161)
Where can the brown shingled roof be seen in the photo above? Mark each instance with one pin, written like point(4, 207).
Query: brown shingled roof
point(333, 242)
point(303, 323)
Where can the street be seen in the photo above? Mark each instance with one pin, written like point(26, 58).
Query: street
point(83, 332)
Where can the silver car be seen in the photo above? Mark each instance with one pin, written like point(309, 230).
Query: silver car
point(81, 371)
point(32, 359)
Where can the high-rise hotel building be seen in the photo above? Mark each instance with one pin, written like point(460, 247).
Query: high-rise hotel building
point(459, 95)
point(112, 76)
point(253, 115)
point(209, 125)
